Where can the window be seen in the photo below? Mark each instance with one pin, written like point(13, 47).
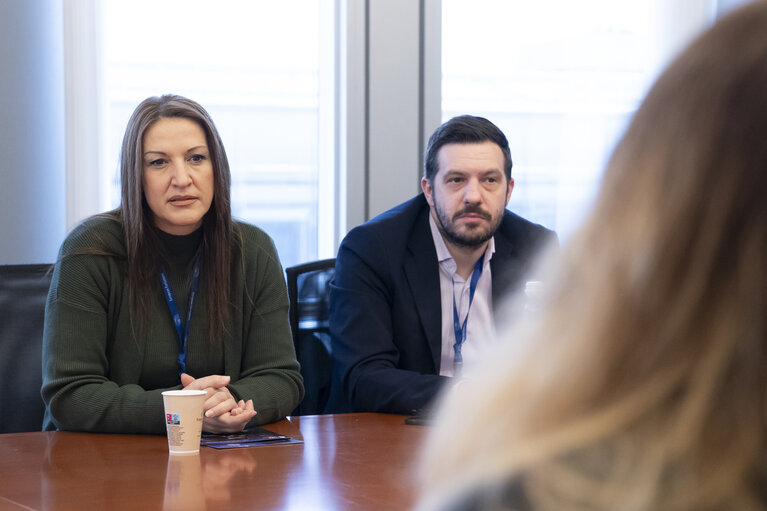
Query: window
point(561, 79)
point(256, 67)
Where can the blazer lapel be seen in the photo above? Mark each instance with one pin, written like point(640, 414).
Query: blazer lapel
point(508, 270)
point(500, 267)
point(422, 273)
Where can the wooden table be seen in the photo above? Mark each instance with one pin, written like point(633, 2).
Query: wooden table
point(348, 461)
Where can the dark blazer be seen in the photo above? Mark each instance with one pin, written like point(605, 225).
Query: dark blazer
point(385, 312)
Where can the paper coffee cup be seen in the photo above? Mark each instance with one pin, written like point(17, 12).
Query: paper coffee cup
point(183, 419)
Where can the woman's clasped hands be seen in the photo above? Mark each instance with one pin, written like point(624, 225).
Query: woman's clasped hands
point(222, 414)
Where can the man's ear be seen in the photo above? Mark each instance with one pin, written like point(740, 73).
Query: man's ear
point(508, 192)
point(427, 191)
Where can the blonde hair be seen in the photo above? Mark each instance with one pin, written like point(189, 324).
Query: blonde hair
point(642, 384)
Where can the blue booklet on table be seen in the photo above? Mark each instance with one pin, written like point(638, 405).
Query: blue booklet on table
point(250, 437)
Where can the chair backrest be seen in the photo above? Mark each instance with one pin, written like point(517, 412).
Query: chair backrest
point(23, 291)
point(308, 286)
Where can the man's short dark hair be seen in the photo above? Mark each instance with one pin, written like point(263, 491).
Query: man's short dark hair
point(465, 129)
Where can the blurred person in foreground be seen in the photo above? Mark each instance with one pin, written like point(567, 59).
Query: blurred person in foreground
point(642, 384)
point(168, 292)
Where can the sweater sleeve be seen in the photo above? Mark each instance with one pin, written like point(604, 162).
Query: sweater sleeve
point(269, 372)
point(83, 301)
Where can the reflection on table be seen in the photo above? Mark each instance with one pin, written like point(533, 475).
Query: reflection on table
point(348, 461)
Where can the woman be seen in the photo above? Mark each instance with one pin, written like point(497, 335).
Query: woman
point(642, 384)
point(168, 292)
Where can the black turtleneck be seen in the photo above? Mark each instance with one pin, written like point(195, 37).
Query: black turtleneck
point(179, 250)
point(179, 255)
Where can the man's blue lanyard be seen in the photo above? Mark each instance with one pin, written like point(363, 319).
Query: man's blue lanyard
point(183, 333)
point(460, 329)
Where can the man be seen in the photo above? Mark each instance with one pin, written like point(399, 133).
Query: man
point(411, 302)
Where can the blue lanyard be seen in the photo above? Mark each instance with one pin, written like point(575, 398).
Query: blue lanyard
point(460, 329)
point(183, 333)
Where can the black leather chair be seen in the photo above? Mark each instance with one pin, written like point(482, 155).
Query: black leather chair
point(308, 286)
point(23, 291)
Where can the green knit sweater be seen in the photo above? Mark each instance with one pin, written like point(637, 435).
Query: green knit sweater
point(100, 376)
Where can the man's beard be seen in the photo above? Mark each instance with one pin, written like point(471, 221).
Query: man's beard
point(472, 239)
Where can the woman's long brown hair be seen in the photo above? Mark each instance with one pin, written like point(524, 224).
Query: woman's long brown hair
point(136, 217)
